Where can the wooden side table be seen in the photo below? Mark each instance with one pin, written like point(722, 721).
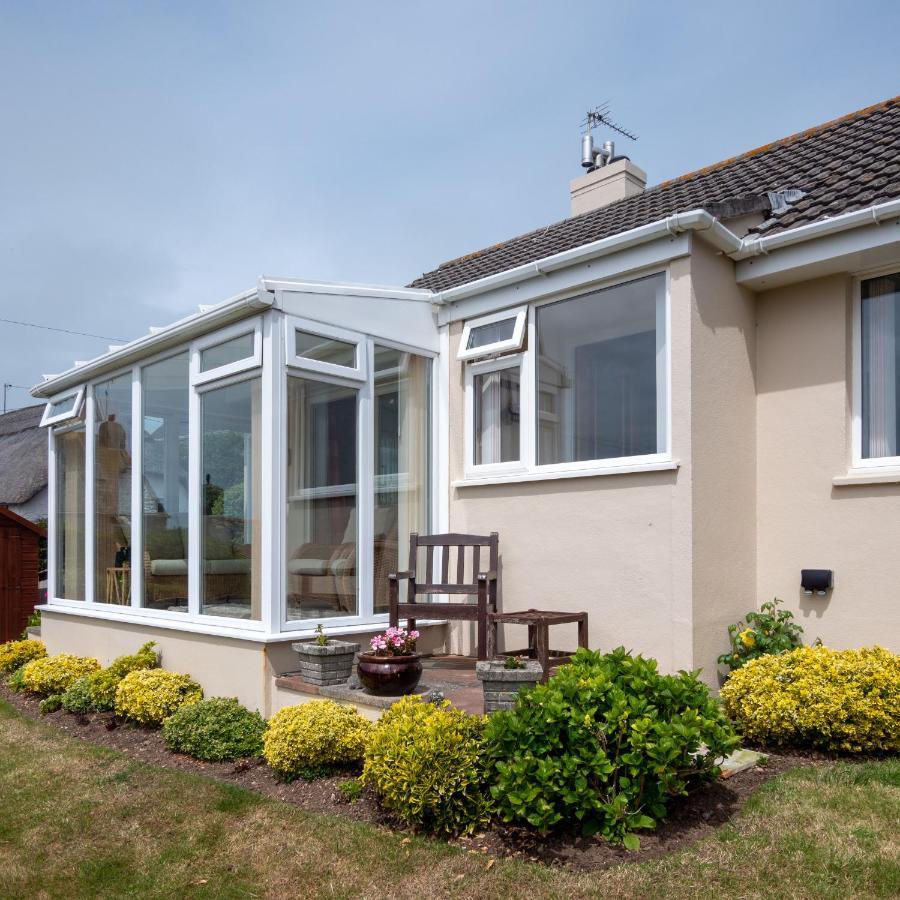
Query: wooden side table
point(118, 585)
point(538, 622)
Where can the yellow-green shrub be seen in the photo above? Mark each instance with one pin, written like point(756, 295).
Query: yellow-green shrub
point(816, 697)
point(149, 696)
point(426, 763)
point(312, 738)
point(105, 684)
point(16, 653)
point(54, 674)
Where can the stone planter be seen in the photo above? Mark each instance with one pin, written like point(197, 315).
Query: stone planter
point(502, 685)
point(389, 676)
point(330, 663)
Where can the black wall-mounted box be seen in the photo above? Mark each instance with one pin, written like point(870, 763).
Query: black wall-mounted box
point(816, 581)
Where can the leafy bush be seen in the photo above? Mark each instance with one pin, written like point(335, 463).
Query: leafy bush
point(313, 738)
point(104, 684)
point(54, 674)
point(50, 704)
point(14, 654)
point(606, 743)
point(78, 698)
point(771, 630)
point(426, 764)
point(215, 730)
point(149, 696)
point(16, 681)
point(815, 697)
point(351, 789)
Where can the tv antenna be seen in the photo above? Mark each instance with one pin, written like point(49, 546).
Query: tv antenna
point(592, 158)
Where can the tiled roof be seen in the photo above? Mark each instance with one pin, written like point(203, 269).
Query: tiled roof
point(846, 164)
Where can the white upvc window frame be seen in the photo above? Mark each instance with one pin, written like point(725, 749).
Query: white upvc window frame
point(858, 462)
point(208, 341)
point(70, 414)
point(510, 345)
point(357, 373)
point(528, 469)
point(486, 367)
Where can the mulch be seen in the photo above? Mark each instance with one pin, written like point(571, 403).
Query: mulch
point(691, 818)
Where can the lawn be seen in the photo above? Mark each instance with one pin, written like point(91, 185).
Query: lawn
point(81, 821)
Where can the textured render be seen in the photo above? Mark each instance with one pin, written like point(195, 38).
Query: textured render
point(803, 436)
point(843, 165)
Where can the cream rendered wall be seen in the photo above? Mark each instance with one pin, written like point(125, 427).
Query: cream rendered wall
point(723, 393)
point(803, 437)
point(618, 546)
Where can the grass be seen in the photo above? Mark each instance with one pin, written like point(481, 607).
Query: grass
point(81, 821)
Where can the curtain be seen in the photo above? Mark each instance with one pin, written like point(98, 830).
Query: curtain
point(879, 367)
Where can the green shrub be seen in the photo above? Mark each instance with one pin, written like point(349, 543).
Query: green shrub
point(214, 730)
point(105, 683)
point(54, 674)
point(846, 700)
point(313, 738)
point(149, 696)
point(14, 654)
point(605, 744)
point(771, 630)
point(16, 681)
point(426, 764)
point(78, 698)
point(351, 789)
point(50, 704)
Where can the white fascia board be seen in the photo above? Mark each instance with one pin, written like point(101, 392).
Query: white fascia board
point(348, 289)
point(821, 251)
point(620, 253)
point(186, 329)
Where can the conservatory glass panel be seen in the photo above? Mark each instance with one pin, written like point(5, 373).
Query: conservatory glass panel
point(70, 481)
point(230, 467)
point(165, 484)
point(325, 349)
point(322, 500)
point(227, 352)
point(402, 454)
point(112, 490)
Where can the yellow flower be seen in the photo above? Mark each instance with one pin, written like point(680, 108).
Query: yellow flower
point(748, 638)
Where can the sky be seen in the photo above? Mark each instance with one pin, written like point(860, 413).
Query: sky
point(157, 156)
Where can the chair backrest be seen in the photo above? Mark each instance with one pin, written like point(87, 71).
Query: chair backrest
point(482, 553)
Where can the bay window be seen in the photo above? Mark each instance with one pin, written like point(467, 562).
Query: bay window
point(879, 376)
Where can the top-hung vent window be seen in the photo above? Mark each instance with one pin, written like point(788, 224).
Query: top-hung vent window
point(502, 332)
point(63, 408)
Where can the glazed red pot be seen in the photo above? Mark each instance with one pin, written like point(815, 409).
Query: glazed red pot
point(389, 676)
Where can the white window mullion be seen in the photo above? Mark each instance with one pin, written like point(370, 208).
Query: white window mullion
point(273, 446)
point(195, 488)
point(137, 490)
point(89, 496)
point(52, 513)
point(365, 498)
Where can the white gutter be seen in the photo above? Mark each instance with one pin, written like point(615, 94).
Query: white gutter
point(698, 220)
point(347, 289)
point(192, 326)
point(754, 246)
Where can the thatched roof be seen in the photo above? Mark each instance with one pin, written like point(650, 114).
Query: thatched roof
point(23, 455)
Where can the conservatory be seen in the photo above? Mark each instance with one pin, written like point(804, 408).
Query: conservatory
point(252, 470)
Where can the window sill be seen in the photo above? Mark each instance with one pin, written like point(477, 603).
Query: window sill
point(666, 465)
point(222, 631)
point(873, 475)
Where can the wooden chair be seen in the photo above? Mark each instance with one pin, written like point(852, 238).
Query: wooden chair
point(483, 586)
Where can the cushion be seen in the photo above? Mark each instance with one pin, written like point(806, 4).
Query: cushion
point(168, 567)
point(307, 566)
point(344, 565)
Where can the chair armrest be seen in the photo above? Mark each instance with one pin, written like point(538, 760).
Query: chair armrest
point(396, 576)
point(490, 575)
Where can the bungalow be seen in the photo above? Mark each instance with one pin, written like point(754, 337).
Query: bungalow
point(668, 406)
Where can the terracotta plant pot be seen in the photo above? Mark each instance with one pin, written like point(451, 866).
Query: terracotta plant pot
point(389, 676)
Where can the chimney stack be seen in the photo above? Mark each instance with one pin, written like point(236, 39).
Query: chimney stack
point(617, 179)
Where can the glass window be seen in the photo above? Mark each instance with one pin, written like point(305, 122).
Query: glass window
point(324, 349)
point(600, 392)
point(402, 456)
point(496, 412)
point(230, 585)
point(68, 407)
point(227, 352)
point(164, 443)
point(880, 357)
point(112, 491)
point(482, 335)
point(322, 500)
point(70, 462)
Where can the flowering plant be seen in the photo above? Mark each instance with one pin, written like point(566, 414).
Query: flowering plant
point(394, 642)
point(771, 630)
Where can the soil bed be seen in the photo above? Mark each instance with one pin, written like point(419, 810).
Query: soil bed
point(690, 819)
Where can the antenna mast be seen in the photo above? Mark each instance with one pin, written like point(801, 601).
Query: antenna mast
point(592, 158)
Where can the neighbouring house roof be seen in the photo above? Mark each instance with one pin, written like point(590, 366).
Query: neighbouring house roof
point(23, 455)
point(844, 165)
